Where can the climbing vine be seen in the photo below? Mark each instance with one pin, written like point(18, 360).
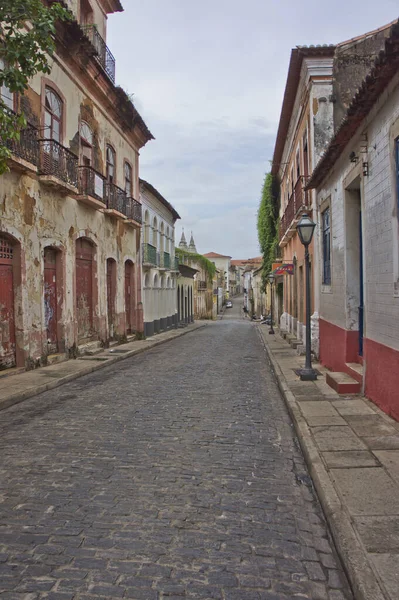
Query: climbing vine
point(24, 51)
point(267, 224)
point(205, 264)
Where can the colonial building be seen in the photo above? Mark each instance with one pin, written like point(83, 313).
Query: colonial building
point(357, 183)
point(70, 216)
point(305, 128)
point(222, 264)
point(203, 284)
point(160, 268)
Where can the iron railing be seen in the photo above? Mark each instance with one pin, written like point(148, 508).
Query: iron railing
point(58, 161)
point(91, 183)
point(103, 53)
point(166, 260)
point(150, 255)
point(297, 201)
point(26, 147)
point(202, 286)
point(115, 197)
point(134, 210)
point(176, 263)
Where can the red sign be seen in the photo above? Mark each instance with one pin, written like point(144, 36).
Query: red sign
point(287, 269)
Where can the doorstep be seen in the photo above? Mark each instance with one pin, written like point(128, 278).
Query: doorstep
point(352, 451)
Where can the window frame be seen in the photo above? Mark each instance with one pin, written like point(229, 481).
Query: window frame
point(9, 95)
point(53, 117)
point(107, 163)
point(326, 242)
point(127, 165)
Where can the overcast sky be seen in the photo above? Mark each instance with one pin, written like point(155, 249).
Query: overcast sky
point(208, 78)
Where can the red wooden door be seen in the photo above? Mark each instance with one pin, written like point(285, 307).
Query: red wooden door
point(111, 296)
point(128, 295)
point(84, 289)
point(7, 323)
point(50, 299)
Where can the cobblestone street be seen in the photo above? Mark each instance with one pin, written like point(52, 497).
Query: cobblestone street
point(174, 474)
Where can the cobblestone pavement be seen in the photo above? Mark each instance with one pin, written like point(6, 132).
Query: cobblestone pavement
point(172, 475)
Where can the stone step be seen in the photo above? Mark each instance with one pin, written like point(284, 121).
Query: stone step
point(356, 371)
point(343, 383)
point(52, 359)
point(295, 343)
point(90, 349)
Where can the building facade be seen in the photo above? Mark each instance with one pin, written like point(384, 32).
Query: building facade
point(203, 305)
point(222, 264)
point(70, 215)
point(357, 184)
point(305, 129)
point(160, 268)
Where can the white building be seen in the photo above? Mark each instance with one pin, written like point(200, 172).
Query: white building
point(357, 183)
point(160, 270)
point(222, 264)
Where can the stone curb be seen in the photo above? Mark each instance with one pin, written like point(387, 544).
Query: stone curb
point(361, 576)
point(38, 389)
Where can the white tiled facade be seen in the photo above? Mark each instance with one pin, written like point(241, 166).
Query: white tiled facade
point(374, 185)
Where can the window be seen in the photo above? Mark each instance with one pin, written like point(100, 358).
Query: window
point(326, 247)
point(128, 180)
point(397, 168)
point(86, 144)
point(110, 158)
point(6, 95)
point(53, 112)
point(298, 166)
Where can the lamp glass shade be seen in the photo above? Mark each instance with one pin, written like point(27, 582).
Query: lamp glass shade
point(305, 229)
point(271, 277)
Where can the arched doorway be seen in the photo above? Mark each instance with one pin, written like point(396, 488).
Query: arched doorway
point(111, 295)
point(50, 292)
point(129, 296)
point(84, 288)
point(7, 313)
point(186, 308)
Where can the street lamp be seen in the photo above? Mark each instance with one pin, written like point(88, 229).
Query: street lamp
point(271, 280)
point(305, 230)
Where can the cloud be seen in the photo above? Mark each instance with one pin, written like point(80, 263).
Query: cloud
point(208, 78)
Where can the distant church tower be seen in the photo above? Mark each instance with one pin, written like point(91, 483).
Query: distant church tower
point(183, 243)
point(192, 247)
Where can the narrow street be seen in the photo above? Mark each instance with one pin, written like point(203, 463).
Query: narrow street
point(170, 475)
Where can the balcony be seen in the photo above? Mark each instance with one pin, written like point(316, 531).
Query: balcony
point(202, 286)
point(91, 188)
point(58, 166)
point(133, 212)
point(150, 256)
point(115, 200)
point(175, 264)
point(297, 204)
point(164, 260)
point(103, 53)
point(25, 151)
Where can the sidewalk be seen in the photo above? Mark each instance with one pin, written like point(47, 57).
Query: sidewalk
point(352, 451)
point(18, 387)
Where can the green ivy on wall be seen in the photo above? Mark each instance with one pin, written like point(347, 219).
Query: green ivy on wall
point(205, 264)
point(267, 224)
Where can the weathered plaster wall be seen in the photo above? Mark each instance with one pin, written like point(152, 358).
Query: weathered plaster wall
point(37, 216)
point(352, 62)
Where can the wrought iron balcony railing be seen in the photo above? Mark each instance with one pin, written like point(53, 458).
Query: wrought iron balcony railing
point(115, 197)
point(91, 183)
point(297, 202)
point(176, 263)
point(134, 210)
point(103, 53)
point(202, 286)
point(27, 146)
point(166, 260)
point(150, 255)
point(58, 161)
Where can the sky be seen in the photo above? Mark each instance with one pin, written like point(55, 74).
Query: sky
point(208, 78)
